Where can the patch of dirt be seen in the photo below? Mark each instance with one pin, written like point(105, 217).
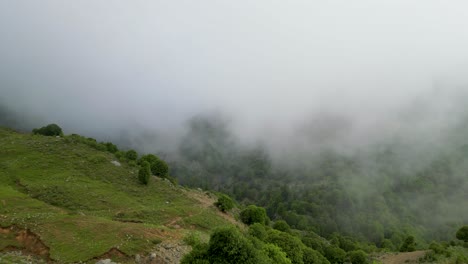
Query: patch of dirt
point(30, 242)
point(402, 258)
point(113, 253)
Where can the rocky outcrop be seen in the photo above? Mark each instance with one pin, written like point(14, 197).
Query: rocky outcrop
point(166, 252)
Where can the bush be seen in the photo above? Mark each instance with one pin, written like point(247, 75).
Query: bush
point(111, 147)
point(158, 166)
point(276, 254)
point(409, 245)
point(290, 244)
point(144, 173)
point(131, 155)
point(258, 230)
point(357, 257)
point(228, 245)
point(335, 254)
point(49, 130)
point(281, 225)
point(313, 256)
point(253, 214)
point(224, 203)
point(462, 233)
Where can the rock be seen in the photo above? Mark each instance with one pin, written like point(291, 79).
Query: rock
point(105, 261)
point(137, 259)
point(116, 163)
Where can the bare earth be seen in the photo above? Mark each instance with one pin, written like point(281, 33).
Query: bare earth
point(402, 258)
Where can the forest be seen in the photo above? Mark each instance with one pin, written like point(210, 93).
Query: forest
point(381, 194)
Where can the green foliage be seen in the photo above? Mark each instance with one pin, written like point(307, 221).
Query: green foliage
point(158, 166)
point(49, 130)
point(131, 155)
point(144, 173)
point(335, 254)
point(258, 230)
point(372, 188)
point(224, 203)
point(44, 183)
point(253, 214)
point(313, 256)
point(387, 244)
point(193, 239)
point(409, 244)
point(357, 257)
point(228, 245)
point(111, 147)
point(281, 225)
point(290, 244)
point(275, 254)
point(462, 233)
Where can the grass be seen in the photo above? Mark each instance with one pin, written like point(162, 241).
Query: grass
point(81, 205)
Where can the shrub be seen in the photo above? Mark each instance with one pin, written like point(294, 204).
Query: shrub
point(111, 147)
point(49, 130)
point(158, 167)
point(290, 244)
point(131, 155)
point(224, 203)
point(228, 245)
point(144, 173)
point(253, 214)
point(357, 257)
point(409, 245)
point(335, 254)
point(281, 225)
point(313, 256)
point(258, 230)
point(275, 254)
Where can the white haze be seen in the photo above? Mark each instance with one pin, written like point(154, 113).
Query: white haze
point(278, 69)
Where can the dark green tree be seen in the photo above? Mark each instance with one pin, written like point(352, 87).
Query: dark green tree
point(228, 245)
point(111, 147)
point(462, 233)
point(290, 244)
point(224, 203)
point(409, 244)
point(144, 173)
point(258, 230)
point(335, 254)
point(281, 225)
point(253, 214)
point(357, 257)
point(158, 167)
point(131, 155)
point(49, 130)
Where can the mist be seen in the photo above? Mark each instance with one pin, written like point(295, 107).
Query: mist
point(272, 68)
point(380, 87)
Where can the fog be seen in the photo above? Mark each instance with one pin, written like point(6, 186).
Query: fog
point(338, 72)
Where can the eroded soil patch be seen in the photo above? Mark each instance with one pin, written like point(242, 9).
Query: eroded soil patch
point(26, 241)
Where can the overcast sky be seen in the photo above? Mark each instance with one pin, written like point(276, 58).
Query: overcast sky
point(270, 64)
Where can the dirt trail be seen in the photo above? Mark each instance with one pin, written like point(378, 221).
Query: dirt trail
point(400, 258)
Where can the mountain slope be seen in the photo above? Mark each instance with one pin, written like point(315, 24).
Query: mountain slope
point(80, 203)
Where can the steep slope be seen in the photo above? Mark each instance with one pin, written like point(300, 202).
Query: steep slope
point(79, 203)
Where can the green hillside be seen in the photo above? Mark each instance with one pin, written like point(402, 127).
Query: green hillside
point(81, 205)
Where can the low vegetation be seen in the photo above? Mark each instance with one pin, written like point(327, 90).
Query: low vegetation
point(81, 200)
